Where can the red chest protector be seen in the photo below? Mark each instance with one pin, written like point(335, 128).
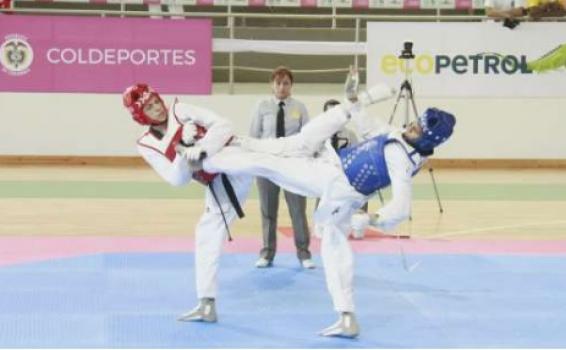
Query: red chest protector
point(167, 144)
point(201, 176)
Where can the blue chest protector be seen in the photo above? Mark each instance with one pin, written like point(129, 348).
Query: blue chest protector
point(364, 164)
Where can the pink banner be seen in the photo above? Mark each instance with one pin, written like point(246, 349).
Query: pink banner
point(104, 55)
point(463, 4)
point(360, 4)
point(411, 4)
point(205, 2)
point(308, 3)
point(256, 3)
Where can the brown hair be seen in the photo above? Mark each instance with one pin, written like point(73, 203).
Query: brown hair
point(280, 72)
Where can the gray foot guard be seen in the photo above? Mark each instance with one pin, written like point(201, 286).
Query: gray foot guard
point(346, 327)
point(204, 312)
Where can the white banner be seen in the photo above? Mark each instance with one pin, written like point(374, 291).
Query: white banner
point(466, 59)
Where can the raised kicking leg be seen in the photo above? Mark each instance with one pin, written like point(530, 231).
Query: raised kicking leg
point(312, 136)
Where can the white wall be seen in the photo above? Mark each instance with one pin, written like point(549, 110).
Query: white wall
point(97, 124)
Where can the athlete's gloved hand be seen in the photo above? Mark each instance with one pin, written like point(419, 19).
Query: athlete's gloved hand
point(189, 134)
point(195, 153)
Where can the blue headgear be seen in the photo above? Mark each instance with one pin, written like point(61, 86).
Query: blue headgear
point(437, 127)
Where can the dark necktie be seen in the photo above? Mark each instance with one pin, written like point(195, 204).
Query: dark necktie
point(280, 129)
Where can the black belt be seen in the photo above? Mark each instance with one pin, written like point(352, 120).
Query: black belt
point(232, 195)
point(233, 200)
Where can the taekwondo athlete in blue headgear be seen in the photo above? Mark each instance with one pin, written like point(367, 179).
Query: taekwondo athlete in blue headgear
point(371, 166)
point(345, 179)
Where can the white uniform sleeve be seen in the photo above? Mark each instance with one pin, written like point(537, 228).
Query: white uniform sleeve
point(400, 171)
point(365, 126)
point(176, 172)
point(219, 130)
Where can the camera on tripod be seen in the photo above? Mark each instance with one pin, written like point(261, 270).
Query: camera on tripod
point(406, 95)
point(407, 53)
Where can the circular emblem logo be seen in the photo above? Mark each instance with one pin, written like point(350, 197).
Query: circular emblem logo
point(16, 55)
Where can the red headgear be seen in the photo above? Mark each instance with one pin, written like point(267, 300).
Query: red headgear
point(135, 98)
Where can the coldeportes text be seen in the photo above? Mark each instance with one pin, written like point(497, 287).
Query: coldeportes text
point(112, 56)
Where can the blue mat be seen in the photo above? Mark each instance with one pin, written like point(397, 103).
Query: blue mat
point(132, 300)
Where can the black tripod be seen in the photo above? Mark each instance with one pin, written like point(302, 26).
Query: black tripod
point(406, 94)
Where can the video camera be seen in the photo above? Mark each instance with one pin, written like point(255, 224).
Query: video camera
point(511, 23)
point(407, 53)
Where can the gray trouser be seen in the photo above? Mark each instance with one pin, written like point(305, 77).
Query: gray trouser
point(269, 202)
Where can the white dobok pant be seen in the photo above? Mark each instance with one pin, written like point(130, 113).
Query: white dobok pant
point(211, 232)
point(307, 165)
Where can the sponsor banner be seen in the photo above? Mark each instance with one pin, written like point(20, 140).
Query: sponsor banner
point(461, 4)
point(360, 4)
point(412, 4)
point(308, 3)
point(104, 55)
point(465, 59)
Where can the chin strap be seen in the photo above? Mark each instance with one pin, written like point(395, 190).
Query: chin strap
point(424, 153)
